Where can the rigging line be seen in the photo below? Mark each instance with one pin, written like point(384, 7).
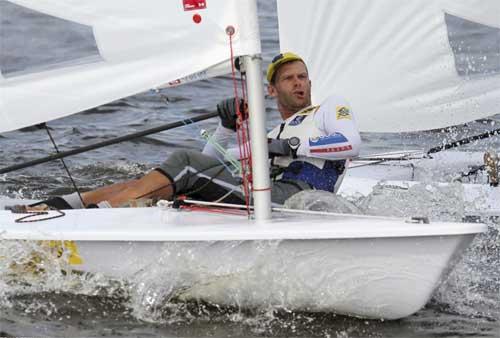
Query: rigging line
point(473, 171)
point(108, 142)
point(64, 164)
point(464, 141)
point(377, 160)
point(232, 165)
point(32, 216)
point(435, 149)
point(365, 164)
point(393, 155)
point(389, 159)
point(246, 129)
point(240, 129)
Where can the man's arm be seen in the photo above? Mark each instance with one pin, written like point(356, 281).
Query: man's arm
point(340, 139)
point(223, 137)
point(225, 132)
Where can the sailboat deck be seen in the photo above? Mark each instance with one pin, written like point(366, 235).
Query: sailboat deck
point(158, 224)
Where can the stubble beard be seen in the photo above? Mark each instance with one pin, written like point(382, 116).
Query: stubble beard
point(294, 105)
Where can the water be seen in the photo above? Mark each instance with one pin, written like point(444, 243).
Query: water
point(468, 304)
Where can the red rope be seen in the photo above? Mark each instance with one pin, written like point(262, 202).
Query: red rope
point(242, 130)
point(214, 210)
point(206, 208)
point(245, 127)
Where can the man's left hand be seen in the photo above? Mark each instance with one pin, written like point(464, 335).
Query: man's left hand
point(227, 110)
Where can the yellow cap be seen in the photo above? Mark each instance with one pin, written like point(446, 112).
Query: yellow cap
point(278, 60)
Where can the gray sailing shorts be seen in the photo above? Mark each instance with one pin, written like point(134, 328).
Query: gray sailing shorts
point(204, 177)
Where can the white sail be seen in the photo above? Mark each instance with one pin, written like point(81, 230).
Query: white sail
point(403, 65)
point(139, 45)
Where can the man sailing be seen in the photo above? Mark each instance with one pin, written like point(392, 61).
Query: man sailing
point(308, 150)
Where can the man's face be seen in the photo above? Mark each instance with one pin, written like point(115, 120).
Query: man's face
point(292, 88)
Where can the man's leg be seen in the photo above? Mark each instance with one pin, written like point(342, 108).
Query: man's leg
point(191, 170)
point(202, 177)
point(154, 185)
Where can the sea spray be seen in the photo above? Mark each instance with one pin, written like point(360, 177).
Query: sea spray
point(440, 202)
point(317, 200)
point(473, 288)
point(185, 273)
point(436, 201)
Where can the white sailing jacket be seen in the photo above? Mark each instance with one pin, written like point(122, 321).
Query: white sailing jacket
point(328, 136)
point(326, 132)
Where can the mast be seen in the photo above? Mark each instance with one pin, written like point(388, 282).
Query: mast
point(258, 137)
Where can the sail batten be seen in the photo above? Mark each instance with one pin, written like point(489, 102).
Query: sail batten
point(140, 45)
point(403, 65)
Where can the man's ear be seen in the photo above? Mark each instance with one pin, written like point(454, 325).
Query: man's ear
point(271, 90)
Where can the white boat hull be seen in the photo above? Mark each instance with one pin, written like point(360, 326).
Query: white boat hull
point(361, 266)
point(373, 278)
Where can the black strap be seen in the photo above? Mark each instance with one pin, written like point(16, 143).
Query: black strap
point(54, 202)
point(282, 127)
point(294, 152)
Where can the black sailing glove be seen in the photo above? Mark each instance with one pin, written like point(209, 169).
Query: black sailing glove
point(227, 112)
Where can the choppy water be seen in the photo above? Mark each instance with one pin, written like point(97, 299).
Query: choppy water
point(468, 304)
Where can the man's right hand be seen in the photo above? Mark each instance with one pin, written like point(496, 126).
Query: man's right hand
point(278, 147)
point(227, 112)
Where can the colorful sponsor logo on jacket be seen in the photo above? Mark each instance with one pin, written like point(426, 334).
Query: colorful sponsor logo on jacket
point(333, 143)
point(343, 113)
point(332, 149)
point(327, 140)
point(297, 120)
point(308, 110)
